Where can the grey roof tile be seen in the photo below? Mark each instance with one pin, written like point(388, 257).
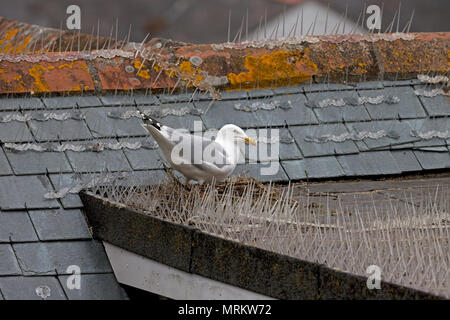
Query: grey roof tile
point(49, 258)
point(401, 146)
point(9, 104)
point(88, 161)
point(185, 121)
point(34, 258)
point(31, 103)
point(14, 131)
point(60, 181)
point(15, 226)
point(5, 169)
point(201, 96)
point(362, 146)
point(406, 160)
point(427, 126)
point(88, 101)
point(409, 106)
point(400, 83)
point(260, 93)
point(311, 148)
point(435, 106)
point(338, 114)
point(147, 99)
point(288, 90)
point(20, 192)
point(285, 149)
point(174, 98)
point(144, 158)
point(117, 100)
point(33, 162)
point(321, 167)
point(433, 160)
point(147, 177)
point(104, 122)
point(434, 149)
point(95, 287)
point(27, 288)
point(60, 102)
point(264, 172)
point(54, 130)
point(224, 112)
point(21, 103)
point(9, 265)
point(369, 163)
point(324, 167)
point(402, 130)
point(295, 169)
point(60, 224)
point(234, 95)
point(320, 87)
point(370, 85)
point(291, 110)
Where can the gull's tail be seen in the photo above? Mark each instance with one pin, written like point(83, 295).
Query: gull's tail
point(151, 121)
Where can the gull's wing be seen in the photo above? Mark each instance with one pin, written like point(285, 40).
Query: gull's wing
point(184, 148)
point(203, 153)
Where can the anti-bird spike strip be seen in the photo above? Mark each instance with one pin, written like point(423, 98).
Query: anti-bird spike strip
point(408, 239)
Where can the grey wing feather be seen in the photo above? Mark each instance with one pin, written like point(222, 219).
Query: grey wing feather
point(201, 152)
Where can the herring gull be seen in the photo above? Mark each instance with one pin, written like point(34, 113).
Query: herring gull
point(196, 157)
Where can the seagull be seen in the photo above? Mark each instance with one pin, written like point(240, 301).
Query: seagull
point(196, 157)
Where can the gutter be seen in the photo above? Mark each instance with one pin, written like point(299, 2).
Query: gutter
point(249, 268)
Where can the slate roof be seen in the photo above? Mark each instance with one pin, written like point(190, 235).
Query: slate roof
point(40, 238)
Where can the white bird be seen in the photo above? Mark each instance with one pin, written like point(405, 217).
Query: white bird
point(196, 157)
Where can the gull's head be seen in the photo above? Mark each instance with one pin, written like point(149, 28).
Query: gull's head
point(232, 133)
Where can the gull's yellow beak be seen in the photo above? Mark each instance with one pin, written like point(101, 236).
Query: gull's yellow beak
point(251, 141)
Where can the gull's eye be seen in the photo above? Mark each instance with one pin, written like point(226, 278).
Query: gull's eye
point(235, 131)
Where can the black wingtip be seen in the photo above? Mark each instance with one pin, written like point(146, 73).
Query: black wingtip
point(151, 121)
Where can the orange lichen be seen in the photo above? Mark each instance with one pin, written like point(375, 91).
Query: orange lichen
point(276, 68)
point(37, 72)
point(12, 45)
point(80, 87)
point(143, 73)
point(11, 33)
point(190, 73)
point(40, 73)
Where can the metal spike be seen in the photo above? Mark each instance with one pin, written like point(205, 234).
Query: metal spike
point(408, 25)
point(229, 26)
point(98, 32)
point(345, 18)
point(265, 23)
point(117, 27)
point(314, 25)
point(246, 26)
